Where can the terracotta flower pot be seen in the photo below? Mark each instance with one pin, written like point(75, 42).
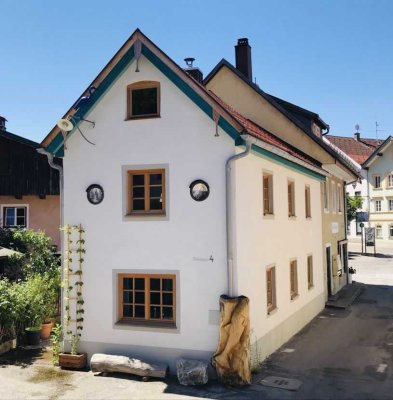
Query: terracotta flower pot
point(46, 330)
point(73, 361)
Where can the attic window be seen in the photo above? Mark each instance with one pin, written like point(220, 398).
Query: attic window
point(143, 100)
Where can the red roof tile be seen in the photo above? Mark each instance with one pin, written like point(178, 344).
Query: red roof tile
point(255, 130)
point(359, 151)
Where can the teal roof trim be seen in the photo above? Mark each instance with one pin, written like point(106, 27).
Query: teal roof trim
point(56, 146)
point(287, 163)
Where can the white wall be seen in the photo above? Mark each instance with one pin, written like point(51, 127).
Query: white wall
point(183, 140)
point(274, 240)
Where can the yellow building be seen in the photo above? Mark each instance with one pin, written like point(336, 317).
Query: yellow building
point(303, 130)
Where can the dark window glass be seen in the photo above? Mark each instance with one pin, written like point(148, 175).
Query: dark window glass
point(139, 297)
point(167, 299)
point(144, 102)
point(139, 311)
point(155, 179)
point(127, 311)
point(155, 204)
point(127, 297)
point(138, 180)
point(167, 285)
point(127, 283)
point(138, 205)
point(155, 298)
point(138, 192)
point(167, 313)
point(155, 312)
point(155, 191)
point(155, 284)
point(140, 283)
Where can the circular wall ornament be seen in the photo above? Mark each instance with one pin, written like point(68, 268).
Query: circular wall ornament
point(95, 194)
point(199, 190)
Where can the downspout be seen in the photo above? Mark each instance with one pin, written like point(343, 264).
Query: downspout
point(229, 212)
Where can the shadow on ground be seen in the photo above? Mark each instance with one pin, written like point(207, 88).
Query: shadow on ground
point(21, 358)
point(353, 254)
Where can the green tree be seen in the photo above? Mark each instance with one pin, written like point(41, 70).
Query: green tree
point(353, 205)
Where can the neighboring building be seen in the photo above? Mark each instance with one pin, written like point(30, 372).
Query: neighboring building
point(358, 149)
point(302, 129)
point(156, 260)
point(379, 168)
point(29, 188)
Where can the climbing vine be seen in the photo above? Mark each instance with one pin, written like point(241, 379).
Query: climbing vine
point(73, 283)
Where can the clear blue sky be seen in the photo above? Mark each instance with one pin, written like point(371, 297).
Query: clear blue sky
point(333, 57)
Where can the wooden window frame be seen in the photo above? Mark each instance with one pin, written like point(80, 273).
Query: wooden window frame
point(291, 199)
point(147, 320)
point(307, 200)
point(380, 205)
point(146, 173)
point(293, 279)
point(138, 86)
point(271, 289)
point(310, 271)
point(267, 193)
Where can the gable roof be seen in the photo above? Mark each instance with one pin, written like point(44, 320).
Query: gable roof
point(289, 110)
point(378, 152)
point(358, 150)
point(19, 139)
point(230, 121)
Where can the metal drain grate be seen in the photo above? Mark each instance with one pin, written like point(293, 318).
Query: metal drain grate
point(281, 383)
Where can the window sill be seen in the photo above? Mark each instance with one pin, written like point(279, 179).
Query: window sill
point(146, 325)
point(268, 215)
point(292, 217)
point(294, 297)
point(146, 214)
point(142, 117)
point(311, 287)
point(308, 218)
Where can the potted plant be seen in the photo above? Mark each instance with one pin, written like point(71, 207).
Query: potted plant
point(49, 309)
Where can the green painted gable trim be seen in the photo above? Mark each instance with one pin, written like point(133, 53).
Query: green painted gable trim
point(56, 146)
point(287, 163)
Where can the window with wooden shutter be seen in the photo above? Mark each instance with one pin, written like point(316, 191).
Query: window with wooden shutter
point(310, 272)
point(271, 289)
point(293, 278)
point(291, 199)
point(267, 193)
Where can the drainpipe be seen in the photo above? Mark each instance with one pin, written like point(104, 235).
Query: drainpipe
point(231, 269)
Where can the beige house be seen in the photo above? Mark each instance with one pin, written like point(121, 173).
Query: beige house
point(304, 130)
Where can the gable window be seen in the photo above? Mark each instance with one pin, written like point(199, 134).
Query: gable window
point(293, 278)
point(146, 191)
point(143, 99)
point(271, 289)
point(377, 182)
point(378, 231)
point(325, 196)
point(291, 199)
point(310, 272)
point(390, 180)
point(377, 205)
point(390, 203)
point(143, 298)
point(14, 217)
point(267, 193)
point(307, 195)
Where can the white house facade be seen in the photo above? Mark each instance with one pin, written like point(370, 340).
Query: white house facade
point(156, 258)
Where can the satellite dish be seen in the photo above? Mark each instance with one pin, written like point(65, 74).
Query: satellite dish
point(65, 125)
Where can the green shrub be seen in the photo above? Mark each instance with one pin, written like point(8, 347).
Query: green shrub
point(7, 312)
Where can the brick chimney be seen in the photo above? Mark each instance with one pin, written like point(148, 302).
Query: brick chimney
point(2, 124)
point(243, 58)
point(195, 72)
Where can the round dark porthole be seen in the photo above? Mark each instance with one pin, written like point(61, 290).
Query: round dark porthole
point(95, 194)
point(199, 190)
